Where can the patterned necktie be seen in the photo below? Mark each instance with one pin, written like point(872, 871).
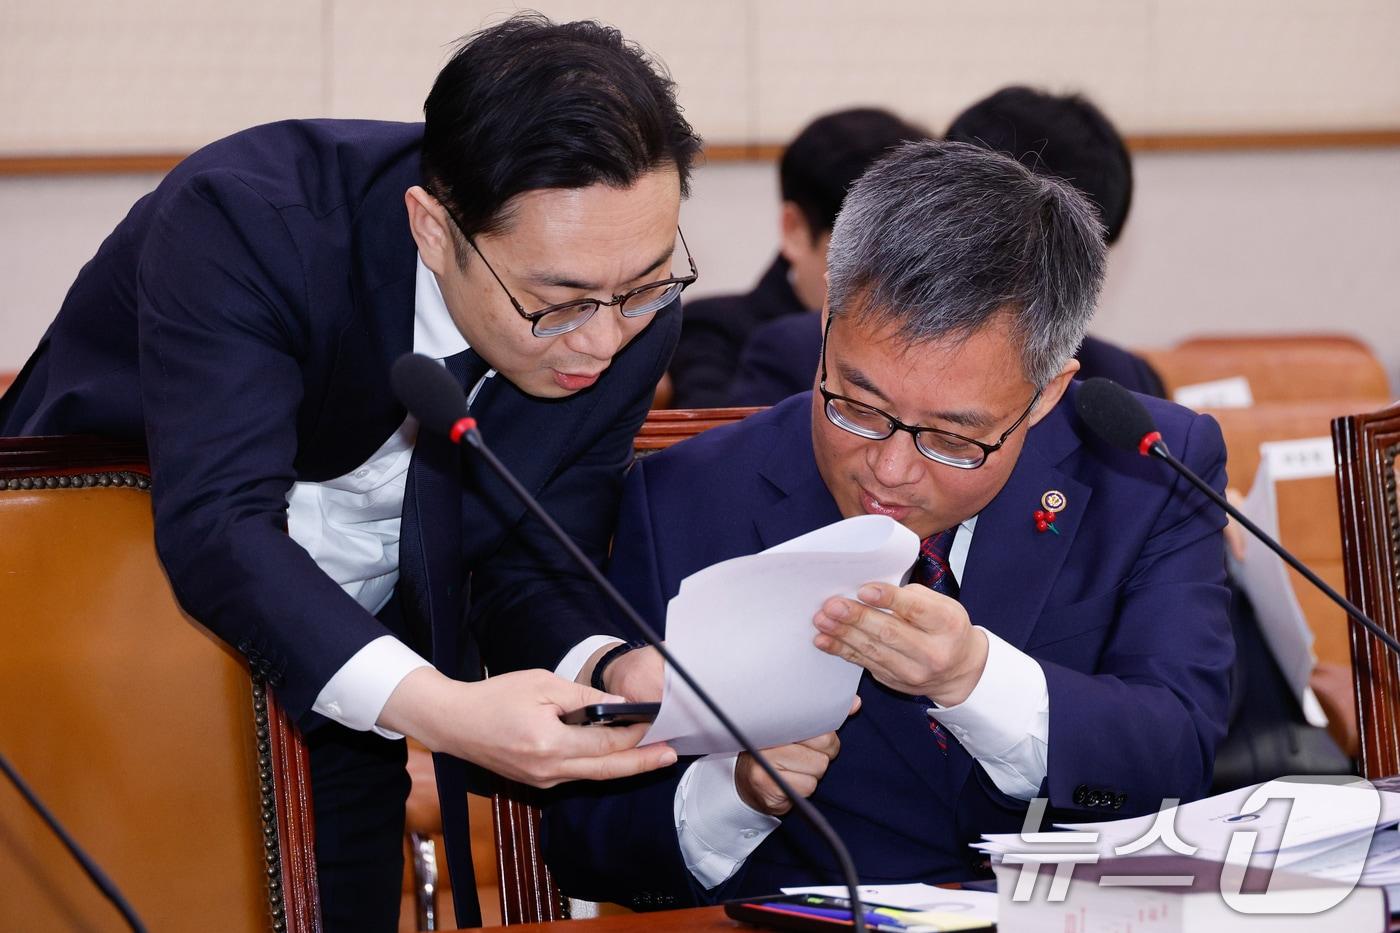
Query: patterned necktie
point(932, 571)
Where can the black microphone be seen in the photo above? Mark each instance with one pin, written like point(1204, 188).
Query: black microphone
point(432, 395)
point(1121, 420)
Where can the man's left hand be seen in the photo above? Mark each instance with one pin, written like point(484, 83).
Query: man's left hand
point(922, 644)
point(637, 675)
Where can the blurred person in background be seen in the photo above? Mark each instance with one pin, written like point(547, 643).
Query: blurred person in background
point(1065, 137)
point(816, 169)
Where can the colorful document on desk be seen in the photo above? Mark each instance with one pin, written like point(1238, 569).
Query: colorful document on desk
point(743, 628)
point(971, 905)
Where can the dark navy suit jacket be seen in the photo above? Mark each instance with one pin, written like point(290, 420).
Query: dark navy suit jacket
point(1125, 609)
point(781, 358)
point(242, 321)
point(715, 330)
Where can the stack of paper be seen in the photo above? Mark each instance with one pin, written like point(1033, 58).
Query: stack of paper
point(743, 628)
point(1315, 826)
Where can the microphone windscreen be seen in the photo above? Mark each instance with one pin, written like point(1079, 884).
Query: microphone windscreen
point(428, 391)
point(1113, 413)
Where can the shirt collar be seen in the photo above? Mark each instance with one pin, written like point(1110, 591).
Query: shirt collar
point(435, 334)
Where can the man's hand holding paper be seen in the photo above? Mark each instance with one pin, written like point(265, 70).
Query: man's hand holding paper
point(802, 765)
point(743, 628)
point(909, 638)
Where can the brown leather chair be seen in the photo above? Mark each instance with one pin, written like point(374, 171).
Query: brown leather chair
point(1280, 368)
point(1368, 461)
point(145, 735)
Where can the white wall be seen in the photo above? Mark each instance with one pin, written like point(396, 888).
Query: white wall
point(97, 75)
point(1217, 243)
point(1249, 241)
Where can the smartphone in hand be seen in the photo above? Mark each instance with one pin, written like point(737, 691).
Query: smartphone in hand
point(611, 714)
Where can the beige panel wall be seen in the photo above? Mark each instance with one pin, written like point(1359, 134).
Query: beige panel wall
point(1248, 241)
point(384, 56)
point(165, 75)
point(1218, 242)
point(92, 75)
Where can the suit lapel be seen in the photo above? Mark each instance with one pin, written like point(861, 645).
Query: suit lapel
point(804, 502)
point(1007, 549)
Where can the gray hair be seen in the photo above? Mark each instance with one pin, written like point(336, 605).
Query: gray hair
point(939, 238)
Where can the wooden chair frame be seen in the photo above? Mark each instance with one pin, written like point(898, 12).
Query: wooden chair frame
point(283, 771)
point(1366, 448)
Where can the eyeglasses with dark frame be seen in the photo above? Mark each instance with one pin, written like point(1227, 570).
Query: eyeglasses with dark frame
point(940, 446)
point(571, 315)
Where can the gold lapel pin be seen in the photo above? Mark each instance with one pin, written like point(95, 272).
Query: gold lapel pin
point(1053, 502)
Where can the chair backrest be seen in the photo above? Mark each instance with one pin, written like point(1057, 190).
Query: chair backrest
point(1280, 368)
point(1368, 459)
point(144, 733)
point(528, 891)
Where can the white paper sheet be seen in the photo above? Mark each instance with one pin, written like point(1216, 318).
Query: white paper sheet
point(1265, 577)
point(743, 628)
point(1220, 393)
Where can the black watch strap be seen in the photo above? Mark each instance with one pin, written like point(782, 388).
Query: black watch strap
point(617, 651)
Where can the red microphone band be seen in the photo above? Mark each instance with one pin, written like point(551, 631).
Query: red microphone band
point(464, 425)
point(1144, 445)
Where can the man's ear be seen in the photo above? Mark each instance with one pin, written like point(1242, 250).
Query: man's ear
point(432, 230)
point(1054, 390)
point(795, 238)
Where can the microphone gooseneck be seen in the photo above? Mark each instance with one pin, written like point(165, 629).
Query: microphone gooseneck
point(89, 867)
point(443, 403)
point(1119, 418)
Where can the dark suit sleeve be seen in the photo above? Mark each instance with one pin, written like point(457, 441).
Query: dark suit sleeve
point(616, 841)
point(530, 602)
point(707, 354)
point(779, 359)
point(218, 291)
point(1146, 723)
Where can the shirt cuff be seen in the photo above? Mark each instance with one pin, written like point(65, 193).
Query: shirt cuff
point(355, 695)
point(579, 654)
point(717, 831)
point(1005, 722)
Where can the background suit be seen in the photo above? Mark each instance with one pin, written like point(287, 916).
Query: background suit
point(714, 332)
point(780, 358)
point(242, 320)
point(1125, 610)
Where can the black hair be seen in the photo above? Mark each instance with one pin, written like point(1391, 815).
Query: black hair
point(531, 104)
point(939, 239)
point(832, 152)
point(1066, 137)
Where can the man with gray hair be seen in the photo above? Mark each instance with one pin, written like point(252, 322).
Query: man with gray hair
point(1064, 634)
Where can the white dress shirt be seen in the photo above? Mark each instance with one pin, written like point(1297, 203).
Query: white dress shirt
point(1004, 724)
point(350, 527)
